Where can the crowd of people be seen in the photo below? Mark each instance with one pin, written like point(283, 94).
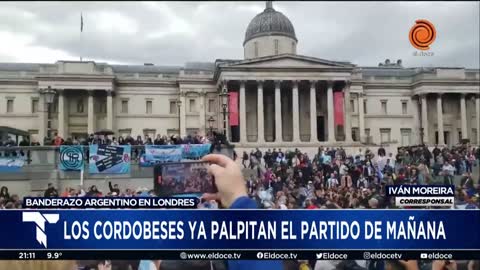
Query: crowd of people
point(138, 144)
point(108, 139)
point(331, 179)
point(129, 140)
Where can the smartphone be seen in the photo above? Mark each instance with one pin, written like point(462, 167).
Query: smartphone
point(179, 179)
point(223, 150)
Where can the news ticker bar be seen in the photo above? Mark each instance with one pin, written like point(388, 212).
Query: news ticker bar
point(239, 255)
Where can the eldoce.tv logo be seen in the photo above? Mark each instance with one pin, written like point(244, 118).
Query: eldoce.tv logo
point(40, 219)
point(421, 36)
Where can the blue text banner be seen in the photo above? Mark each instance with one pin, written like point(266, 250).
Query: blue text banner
point(295, 229)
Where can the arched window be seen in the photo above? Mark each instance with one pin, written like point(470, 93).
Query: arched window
point(276, 46)
point(293, 47)
point(255, 44)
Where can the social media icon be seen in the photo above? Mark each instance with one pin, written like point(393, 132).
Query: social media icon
point(319, 256)
point(423, 256)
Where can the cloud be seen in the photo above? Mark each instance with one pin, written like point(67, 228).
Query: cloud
point(172, 33)
point(17, 47)
point(114, 22)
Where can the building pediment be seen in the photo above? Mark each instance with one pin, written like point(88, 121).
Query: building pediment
point(287, 61)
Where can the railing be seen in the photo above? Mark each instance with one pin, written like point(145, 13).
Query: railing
point(41, 162)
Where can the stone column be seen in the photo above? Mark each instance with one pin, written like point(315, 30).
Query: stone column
point(183, 115)
point(331, 124)
point(278, 113)
point(61, 114)
point(243, 114)
point(202, 112)
point(347, 110)
point(313, 112)
point(42, 119)
point(110, 110)
point(91, 113)
point(295, 113)
point(260, 113)
point(441, 138)
point(361, 118)
point(463, 116)
point(424, 118)
point(477, 117)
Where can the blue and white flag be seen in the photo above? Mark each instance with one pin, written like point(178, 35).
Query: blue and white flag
point(195, 151)
point(71, 158)
point(13, 164)
point(159, 154)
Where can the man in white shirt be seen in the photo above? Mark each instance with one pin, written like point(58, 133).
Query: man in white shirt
point(362, 182)
point(361, 155)
point(448, 169)
point(332, 181)
point(344, 175)
point(448, 172)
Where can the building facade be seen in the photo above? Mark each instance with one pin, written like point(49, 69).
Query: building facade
point(284, 99)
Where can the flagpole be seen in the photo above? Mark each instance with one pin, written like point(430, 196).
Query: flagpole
point(81, 174)
point(81, 47)
point(81, 39)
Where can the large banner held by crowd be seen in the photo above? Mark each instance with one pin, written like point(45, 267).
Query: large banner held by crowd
point(109, 159)
point(195, 151)
point(71, 158)
point(160, 154)
point(13, 164)
point(172, 153)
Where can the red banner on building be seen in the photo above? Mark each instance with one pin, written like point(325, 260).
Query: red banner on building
point(233, 108)
point(338, 108)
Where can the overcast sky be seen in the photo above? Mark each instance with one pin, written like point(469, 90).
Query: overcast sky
point(172, 33)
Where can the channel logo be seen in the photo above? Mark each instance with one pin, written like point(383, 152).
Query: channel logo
point(40, 220)
point(422, 34)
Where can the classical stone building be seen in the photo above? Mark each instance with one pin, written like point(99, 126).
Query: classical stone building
point(285, 99)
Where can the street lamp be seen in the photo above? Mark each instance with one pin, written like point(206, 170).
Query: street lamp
point(210, 123)
point(179, 104)
point(224, 98)
point(49, 95)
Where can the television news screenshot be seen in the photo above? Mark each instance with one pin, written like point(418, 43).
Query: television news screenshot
point(256, 135)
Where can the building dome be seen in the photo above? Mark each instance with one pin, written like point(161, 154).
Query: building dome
point(270, 22)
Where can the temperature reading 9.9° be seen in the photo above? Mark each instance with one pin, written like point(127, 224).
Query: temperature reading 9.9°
point(54, 255)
